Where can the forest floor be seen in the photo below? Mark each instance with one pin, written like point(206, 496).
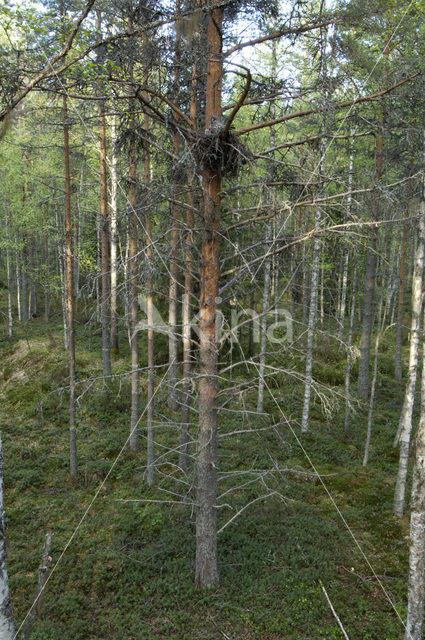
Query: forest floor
point(128, 571)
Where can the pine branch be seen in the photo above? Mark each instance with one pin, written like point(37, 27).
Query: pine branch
point(333, 107)
point(48, 69)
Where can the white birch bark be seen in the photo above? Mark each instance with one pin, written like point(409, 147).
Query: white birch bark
point(405, 426)
point(114, 237)
point(314, 291)
point(416, 585)
point(7, 629)
point(311, 328)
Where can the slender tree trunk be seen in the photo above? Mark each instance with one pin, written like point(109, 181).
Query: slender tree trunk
point(187, 299)
point(263, 323)
point(7, 628)
point(368, 304)
point(32, 288)
point(133, 247)
point(24, 281)
point(380, 325)
point(114, 239)
point(70, 295)
point(173, 289)
point(18, 287)
point(78, 233)
point(39, 599)
point(105, 307)
point(99, 270)
point(267, 260)
point(126, 274)
point(150, 319)
point(416, 588)
point(405, 426)
point(9, 282)
point(399, 331)
point(346, 252)
point(322, 292)
point(46, 272)
point(60, 251)
point(251, 324)
point(349, 358)
point(314, 290)
point(206, 566)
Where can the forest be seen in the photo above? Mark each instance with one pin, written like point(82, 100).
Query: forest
point(212, 347)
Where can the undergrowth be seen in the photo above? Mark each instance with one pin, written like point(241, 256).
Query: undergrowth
point(128, 572)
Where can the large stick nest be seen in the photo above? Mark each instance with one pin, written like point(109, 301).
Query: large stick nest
point(218, 148)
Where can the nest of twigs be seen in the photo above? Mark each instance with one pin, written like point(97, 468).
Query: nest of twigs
point(221, 149)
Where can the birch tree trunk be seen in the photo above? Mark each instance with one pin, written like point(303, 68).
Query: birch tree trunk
point(314, 291)
point(7, 628)
point(150, 319)
point(105, 230)
point(114, 238)
point(206, 564)
point(405, 426)
point(416, 584)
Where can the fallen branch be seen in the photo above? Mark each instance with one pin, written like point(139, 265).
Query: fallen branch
point(38, 603)
point(334, 613)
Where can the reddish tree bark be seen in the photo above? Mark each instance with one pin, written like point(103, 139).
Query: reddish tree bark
point(206, 570)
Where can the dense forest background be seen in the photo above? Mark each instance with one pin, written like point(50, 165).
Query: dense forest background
point(212, 248)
